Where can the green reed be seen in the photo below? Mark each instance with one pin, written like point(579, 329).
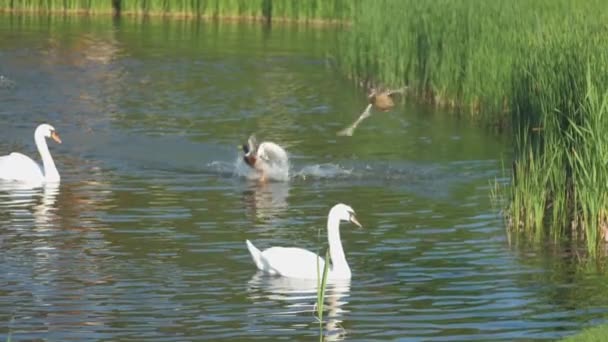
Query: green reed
point(560, 179)
point(450, 52)
point(300, 10)
point(592, 334)
point(321, 287)
point(85, 6)
point(210, 8)
point(538, 65)
point(459, 53)
point(559, 119)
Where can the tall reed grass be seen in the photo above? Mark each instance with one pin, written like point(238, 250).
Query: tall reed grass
point(559, 105)
point(321, 287)
point(88, 6)
point(297, 10)
point(460, 53)
point(538, 65)
point(560, 182)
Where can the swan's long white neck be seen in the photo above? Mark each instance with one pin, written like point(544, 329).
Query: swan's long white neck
point(50, 171)
point(338, 259)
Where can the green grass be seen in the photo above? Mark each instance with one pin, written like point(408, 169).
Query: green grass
point(537, 66)
point(560, 180)
point(88, 6)
point(463, 53)
point(297, 10)
point(595, 334)
point(450, 52)
point(321, 287)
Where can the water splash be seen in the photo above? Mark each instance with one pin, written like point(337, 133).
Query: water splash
point(6, 83)
point(320, 171)
point(240, 169)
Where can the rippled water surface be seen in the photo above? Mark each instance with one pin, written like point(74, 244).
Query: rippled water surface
point(144, 238)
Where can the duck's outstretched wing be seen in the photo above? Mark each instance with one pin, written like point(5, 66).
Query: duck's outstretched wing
point(350, 130)
point(251, 146)
point(396, 91)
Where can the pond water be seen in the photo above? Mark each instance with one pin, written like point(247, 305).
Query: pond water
point(145, 237)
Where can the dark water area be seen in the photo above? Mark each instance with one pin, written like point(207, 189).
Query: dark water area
point(144, 239)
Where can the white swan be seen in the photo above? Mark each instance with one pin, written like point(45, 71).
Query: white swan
point(21, 168)
point(268, 159)
point(299, 263)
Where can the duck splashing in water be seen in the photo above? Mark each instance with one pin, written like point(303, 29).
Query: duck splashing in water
point(268, 160)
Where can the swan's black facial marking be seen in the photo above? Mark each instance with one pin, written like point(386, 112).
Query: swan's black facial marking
point(55, 136)
point(245, 148)
point(353, 219)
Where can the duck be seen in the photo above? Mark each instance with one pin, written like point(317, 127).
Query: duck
point(268, 159)
point(21, 168)
point(381, 100)
point(293, 262)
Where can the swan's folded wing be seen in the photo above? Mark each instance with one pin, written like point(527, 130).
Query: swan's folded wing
point(17, 166)
point(293, 262)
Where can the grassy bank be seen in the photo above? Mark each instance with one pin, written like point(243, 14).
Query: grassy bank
point(595, 334)
point(296, 10)
point(539, 65)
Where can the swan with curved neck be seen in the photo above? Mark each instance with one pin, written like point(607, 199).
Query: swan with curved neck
point(21, 168)
point(268, 159)
point(300, 263)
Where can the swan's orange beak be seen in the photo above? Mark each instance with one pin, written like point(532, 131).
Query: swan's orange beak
point(56, 137)
point(353, 219)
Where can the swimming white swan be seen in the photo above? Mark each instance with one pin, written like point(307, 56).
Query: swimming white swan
point(268, 159)
point(299, 263)
point(21, 168)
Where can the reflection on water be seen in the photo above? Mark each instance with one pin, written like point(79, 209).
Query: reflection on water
point(22, 204)
point(265, 201)
point(299, 297)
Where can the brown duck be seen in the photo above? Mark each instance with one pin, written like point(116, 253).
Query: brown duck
point(379, 100)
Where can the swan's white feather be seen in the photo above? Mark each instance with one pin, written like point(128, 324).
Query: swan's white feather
point(294, 262)
point(290, 262)
point(19, 167)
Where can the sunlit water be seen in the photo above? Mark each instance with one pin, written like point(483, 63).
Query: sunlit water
point(144, 238)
